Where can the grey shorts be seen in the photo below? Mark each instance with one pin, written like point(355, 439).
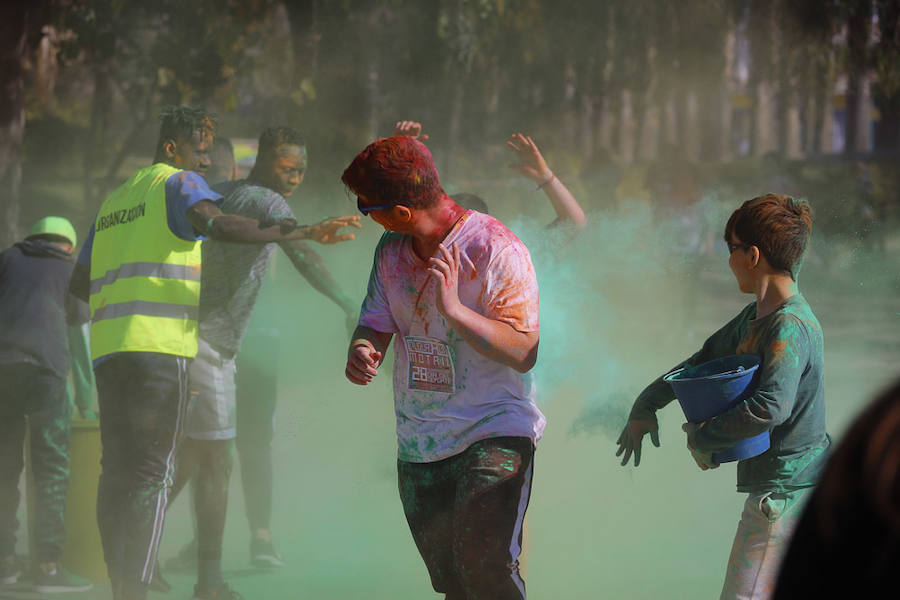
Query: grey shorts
point(211, 411)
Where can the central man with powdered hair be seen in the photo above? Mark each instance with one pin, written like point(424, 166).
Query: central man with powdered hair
point(459, 291)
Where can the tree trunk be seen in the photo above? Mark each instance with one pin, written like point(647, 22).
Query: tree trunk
point(886, 97)
point(710, 122)
point(570, 86)
point(887, 132)
point(668, 125)
point(689, 138)
point(820, 94)
point(617, 123)
point(303, 18)
point(373, 93)
point(586, 110)
point(603, 127)
point(141, 121)
point(784, 95)
point(640, 117)
point(101, 108)
point(13, 49)
point(753, 120)
point(857, 39)
point(454, 127)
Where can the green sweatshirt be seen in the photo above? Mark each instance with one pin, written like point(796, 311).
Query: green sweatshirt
point(789, 400)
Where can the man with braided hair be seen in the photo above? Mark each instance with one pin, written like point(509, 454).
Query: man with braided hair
point(140, 270)
point(232, 277)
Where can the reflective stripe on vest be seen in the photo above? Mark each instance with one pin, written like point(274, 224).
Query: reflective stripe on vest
point(145, 280)
point(147, 309)
point(146, 269)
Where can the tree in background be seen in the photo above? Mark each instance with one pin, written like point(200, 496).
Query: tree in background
point(886, 63)
point(20, 29)
point(623, 78)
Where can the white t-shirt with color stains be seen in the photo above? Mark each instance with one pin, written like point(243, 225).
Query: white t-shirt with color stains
point(447, 396)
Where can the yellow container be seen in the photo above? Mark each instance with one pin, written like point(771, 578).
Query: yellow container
point(82, 551)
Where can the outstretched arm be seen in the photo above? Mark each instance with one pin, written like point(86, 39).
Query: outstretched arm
point(208, 219)
point(533, 166)
point(658, 394)
point(309, 264)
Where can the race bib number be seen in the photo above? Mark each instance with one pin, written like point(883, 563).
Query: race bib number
point(430, 365)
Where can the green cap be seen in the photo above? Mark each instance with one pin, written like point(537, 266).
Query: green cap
point(57, 226)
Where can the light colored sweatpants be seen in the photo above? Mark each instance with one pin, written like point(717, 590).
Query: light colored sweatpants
point(763, 534)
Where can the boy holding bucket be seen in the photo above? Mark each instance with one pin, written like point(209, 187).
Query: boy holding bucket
point(767, 238)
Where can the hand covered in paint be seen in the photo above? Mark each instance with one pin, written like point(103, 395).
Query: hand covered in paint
point(531, 164)
point(411, 128)
point(630, 439)
point(445, 269)
point(326, 232)
point(362, 362)
point(703, 460)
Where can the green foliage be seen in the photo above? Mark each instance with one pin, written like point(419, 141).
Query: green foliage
point(471, 70)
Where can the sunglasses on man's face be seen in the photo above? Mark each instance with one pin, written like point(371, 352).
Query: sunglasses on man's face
point(365, 210)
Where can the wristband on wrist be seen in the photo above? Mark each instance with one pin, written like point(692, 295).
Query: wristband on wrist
point(361, 342)
point(552, 177)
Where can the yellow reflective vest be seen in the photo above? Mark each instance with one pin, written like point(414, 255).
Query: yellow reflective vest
point(145, 280)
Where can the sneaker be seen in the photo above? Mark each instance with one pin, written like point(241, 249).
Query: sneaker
point(159, 583)
point(10, 570)
point(185, 560)
point(59, 580)
point(263, 555)
point(223, 592)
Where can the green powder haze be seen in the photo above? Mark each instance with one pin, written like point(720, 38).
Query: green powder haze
point(621, 303)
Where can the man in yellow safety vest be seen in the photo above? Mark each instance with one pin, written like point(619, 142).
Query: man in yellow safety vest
point(140, 270)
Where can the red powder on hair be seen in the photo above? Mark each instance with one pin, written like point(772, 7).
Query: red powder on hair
point(398, 170)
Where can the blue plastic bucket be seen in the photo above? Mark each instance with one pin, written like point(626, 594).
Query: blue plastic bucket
point(712, 388)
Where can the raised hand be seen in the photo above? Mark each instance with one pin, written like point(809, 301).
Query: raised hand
point(445, 268)
point(411, 128)
point(630, 439)
point(531, 164)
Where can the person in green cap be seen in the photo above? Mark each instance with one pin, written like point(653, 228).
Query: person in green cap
point(36, 352)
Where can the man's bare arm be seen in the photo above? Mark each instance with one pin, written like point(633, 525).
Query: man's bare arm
point(533, 166)
point(209, 220)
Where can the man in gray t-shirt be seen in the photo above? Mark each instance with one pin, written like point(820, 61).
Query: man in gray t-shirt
point(230, 283)
point(232, 276)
